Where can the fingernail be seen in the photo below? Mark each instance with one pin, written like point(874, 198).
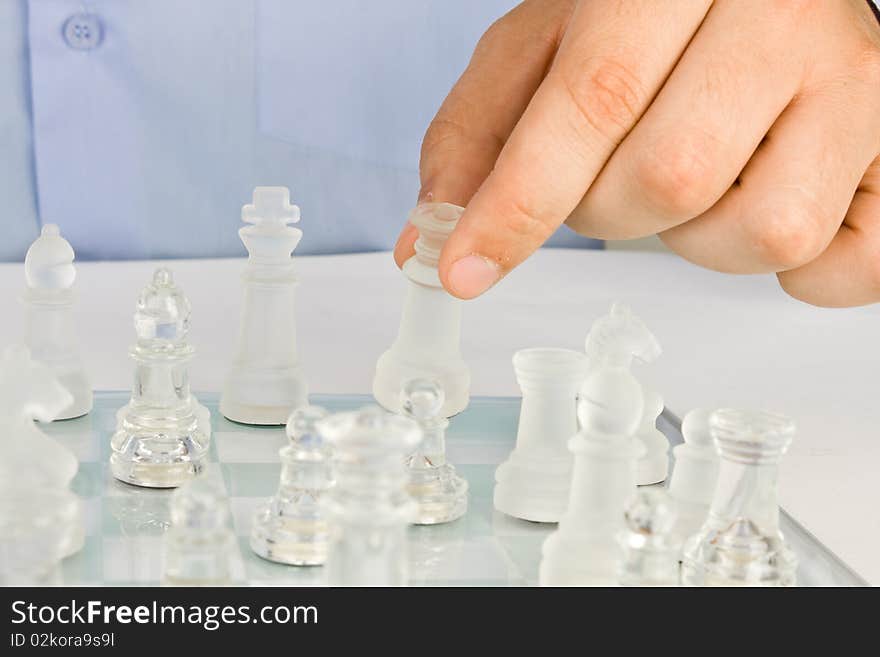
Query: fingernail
point(473, 275)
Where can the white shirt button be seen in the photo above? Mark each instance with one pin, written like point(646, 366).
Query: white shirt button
point(83, 31)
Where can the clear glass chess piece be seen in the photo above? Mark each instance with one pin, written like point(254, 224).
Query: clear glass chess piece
point(740, 543)
point(291, 527)
point(440, 492)
point(650, 549)
point(199, 548)
point(368, 508)
point(163, 433)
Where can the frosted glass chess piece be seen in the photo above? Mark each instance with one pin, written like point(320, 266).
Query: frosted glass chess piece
point(292, 528)
point(740, 543)
point(41, 520)
point(266, 381)
point(200, 547)
point(427, 344)
point(584, 550)
point(50, 329)
point(440, 493)
point(368, 508)
point(163, 433)
point(654, 462)
point(694, 474)
point(650, 548)
point(533, 484)
point(653, 467)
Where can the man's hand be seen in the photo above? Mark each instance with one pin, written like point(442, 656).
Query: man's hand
point(746, 133)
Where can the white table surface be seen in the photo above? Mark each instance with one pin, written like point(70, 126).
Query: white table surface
point(727, 341)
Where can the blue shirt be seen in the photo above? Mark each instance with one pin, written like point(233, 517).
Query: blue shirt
point(141, 128)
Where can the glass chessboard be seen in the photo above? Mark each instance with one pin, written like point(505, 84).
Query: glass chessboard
point(125, 524)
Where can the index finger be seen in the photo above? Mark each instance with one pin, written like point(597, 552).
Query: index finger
point(612, 61)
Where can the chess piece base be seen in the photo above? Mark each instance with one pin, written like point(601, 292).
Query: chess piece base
point(440, 493)
point(263, 398)
point(159, 456)
point(392, 375)
point(77, 385)
point(291, 541)
point(578, 561)
point(533, 489)
point(653, 468)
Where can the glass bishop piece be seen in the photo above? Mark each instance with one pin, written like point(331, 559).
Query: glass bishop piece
point(291, 528)
point(200, 547)
point(162, 434)
point(368, 508)
point(441, 494)
point(740, 543)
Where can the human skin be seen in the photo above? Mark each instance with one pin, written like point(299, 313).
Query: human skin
point(745, 133)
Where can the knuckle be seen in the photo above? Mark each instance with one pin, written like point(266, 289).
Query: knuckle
point(786, 236)
point(439, 131)
point(521, 221)
point(606, 92)
point(678, 174)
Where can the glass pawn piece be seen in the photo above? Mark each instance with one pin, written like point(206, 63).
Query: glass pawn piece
point(162, 434)
point(740, 543)
point(291, 527)
point(368, 509)
point(440, 492)
point(200, 547)
point(650, 549)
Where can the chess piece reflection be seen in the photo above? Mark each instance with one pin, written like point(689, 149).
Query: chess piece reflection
point(50, 330)
point(41, 520)
point(291, 528)
point(266, 381)
point(440, 492)
point(199, 548)
point(740, 543)
point(368, 508)
point(427, 344)
point(163, 433)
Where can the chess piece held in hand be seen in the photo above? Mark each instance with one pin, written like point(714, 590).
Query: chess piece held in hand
point(41, 520)
point(199, 548)
point(368, 509)
point(163, 433)
point(427, 344)
point(266, 381)
point(439, 491)
point(533, 483)
point(740, 543)
point(50, 329)
point(291, 528)
point(584, 551)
